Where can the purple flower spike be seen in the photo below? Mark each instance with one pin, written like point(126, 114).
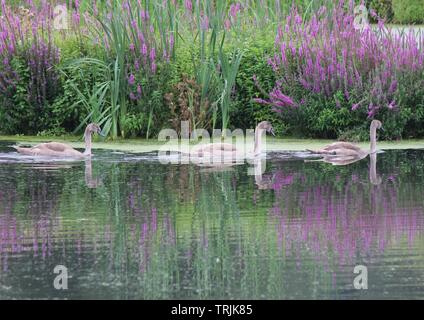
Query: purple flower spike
point(260, 101)
point(234, 9)
point(277, 96)
point(205, 23)
point(227, 24)
point(144, 49)
point(131, 79)
point(152, 54)
point(188, 5)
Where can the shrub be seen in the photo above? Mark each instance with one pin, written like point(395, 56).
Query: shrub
point(341, 68)
point(67, 113)
point(408, 11)
point(186, 104)
point(244, 111)
point(16, 114)
point(149, 106)
point(136, 39)
point(29, 81)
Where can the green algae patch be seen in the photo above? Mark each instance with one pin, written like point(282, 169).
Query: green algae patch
point(143, 145)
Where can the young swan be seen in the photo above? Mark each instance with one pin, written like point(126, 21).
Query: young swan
point(347, 149)
point(57, 149)
point(228, 151)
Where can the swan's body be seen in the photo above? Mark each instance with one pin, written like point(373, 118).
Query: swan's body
point(57, 149)
point(218, 149)
point(350, 150)
point(214, 153)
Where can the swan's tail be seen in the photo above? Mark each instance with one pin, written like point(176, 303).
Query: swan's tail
point(26, 151)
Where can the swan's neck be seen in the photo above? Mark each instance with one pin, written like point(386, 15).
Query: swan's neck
point(87, 138)
point(88, 172)
point(373, 139)
point(258, 141)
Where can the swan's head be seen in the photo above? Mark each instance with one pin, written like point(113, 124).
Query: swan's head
point(376, 124)
point(94, 128)
point(266, 125)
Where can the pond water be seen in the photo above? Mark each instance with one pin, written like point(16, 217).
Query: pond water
point(127, 227)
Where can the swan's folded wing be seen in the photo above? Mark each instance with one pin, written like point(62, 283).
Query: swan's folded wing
point(226, 146)
point(211, 147)
point(55, 146)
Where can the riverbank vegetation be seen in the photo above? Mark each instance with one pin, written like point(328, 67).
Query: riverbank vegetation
point(136, 67)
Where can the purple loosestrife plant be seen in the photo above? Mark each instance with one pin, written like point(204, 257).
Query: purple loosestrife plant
point(26, 42)
point(326, 56)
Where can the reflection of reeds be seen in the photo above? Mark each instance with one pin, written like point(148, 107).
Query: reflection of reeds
point(358, 219)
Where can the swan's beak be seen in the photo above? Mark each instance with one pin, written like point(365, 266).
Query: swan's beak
point(100, 133)
point(382, 128)
point(271, 131)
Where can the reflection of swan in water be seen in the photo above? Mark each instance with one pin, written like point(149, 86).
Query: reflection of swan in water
point(57, 149)
point(217, 168)
point(347, 149)
point(262, 181)
point(267, 181)
point(338, 160)
point(342, 161)
point(374, 179)
point(90, 182)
